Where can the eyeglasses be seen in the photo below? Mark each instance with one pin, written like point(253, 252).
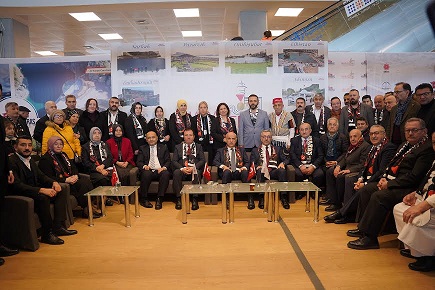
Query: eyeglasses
point(425, 94)
point(414, 130)
point(376, 133)
point(397, 92)
point(58, 116)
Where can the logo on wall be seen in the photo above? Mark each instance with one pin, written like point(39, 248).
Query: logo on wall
point(386, 68)
point(386, 86)
point(241, 93)
point(351, 62)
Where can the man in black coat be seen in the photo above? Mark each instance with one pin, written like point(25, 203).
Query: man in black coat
point(377, 159)
point(112, 116)
point(40, 126)
point(187, 156)
point(154, 162)
point(425, 95)
point(321, 112)
point(12, 114)
point(201, 125)
point(30, 181)
point(410, 164)
point(301, 115)
point(306, 155)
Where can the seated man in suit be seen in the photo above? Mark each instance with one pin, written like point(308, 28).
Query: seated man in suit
point(347, 167)
point(30, 181)
point(410, 164)
point(275, 161)
point(188, 157)
point(306, 156)
point(153, 161)
point(380, 154)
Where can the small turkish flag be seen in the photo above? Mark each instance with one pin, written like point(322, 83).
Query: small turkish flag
point(206, 174)
point(115, 178)
point(252, 172)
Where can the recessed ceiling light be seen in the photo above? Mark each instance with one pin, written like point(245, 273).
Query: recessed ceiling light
point(110, 36)
point(292, 12)
point(191, 12)
point(88, 47)
point(277, 32)
point(191, 33)
point(45, 53)
point(144, 21)
point(85, 16)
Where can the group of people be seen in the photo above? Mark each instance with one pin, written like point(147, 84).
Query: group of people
point(365, 159)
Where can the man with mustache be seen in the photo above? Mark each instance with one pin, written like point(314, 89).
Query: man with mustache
point(112, 116)
point(300, 115)
point(321, 112)
point(30, 181)
point(354, 110)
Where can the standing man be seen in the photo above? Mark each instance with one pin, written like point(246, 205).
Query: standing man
point(201, 125)
point(112, 116)
point(300, 115)
point(71, 106)
point(153, 161)
point(335, 107)
point(24, 113)
point(424, 92)
point(321, 112)
point(367, 99)
point(380, 113)
point(282, 124)
point(40, 126)
point(188, 155)
point(354, 110)
point(405, 109)
point(346, 99)
point(12, 114)
point(251, 123)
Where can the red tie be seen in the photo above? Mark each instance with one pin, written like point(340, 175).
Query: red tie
point(305, 145)
point(189, 150)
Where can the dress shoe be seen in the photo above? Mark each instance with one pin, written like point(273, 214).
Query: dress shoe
point(261, 202)
point(178, 204)
point(343, 220)
point(158, 203)
point(5, 251)
point(325, 201)
point(251, 204)
point(332, 207)
point(407, 253)
point(95, 214)
point(51, 239)
point(64, 232)
point(195, 205)
point(285, 203)
point(423, 264)
point(364, 243)
point(109, 202)
point(145, 203)
point(332, 217)
point(2, 261)
point(356, 233)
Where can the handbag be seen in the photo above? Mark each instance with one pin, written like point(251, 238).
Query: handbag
point(77, 158)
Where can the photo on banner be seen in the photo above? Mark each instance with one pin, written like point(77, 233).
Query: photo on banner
point(194, 56)
point(248, 57)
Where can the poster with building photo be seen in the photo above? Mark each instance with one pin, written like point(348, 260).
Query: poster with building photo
point(306, 87)
point(194, 56)
point(248, 57)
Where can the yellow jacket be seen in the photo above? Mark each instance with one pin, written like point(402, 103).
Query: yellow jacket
point(67, 133)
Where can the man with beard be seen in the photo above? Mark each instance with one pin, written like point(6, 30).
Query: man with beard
point(282, 124)
point(321, 112)
point(40, 126)
point(12, 114)
point(424, 92)
point(380, 154)
point(30, 181)
point(379, 112)
point(112, 116)
point(300, 115)
point(335, 107)
point(346, 99)
point(354, 110)
point(410, 164)
point(251, 123)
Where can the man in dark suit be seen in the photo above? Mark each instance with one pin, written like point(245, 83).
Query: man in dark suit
point(40, 126)
point(380, 114)
point(30, 181)
point(71, 106)
point(187, 156)
point(12, 114)
point(425, 95)
point(112, 116)
point(5, 177)
point(406, 108)
point(153, 161)
point(410, 164)
point(306, 155)
point(201, 125)
point(354, 110)
point(321, 112)
point(270, 162)
point(380, 154)
point(300, 115)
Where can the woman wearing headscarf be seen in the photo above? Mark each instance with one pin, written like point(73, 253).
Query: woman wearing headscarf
point(160, 125)
point(58, 126)
point(56, 165)
point(221, 125)
point(122, 154)
point(179, 121)
point(136, 127)
point(97, 159)
point(73, 117)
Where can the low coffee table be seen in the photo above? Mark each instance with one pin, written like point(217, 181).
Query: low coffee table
point(110, 191)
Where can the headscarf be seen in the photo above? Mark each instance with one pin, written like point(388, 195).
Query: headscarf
point(51, 141)
point(70, 113)
point(91, 135)
point(118, 140)
point(180, 102)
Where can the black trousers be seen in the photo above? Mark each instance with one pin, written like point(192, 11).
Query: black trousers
point(318, 178)
point(227, 176)
point(42, 208)
point(350, 207)
point(179, 177)
point(339, 189)
point(78, 189)
point(147, 176)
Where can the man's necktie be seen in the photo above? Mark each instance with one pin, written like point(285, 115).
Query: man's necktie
point(305, 145)
point(233, 159)
point(152, 164)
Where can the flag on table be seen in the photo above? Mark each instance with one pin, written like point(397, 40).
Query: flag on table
point(206, 174)
point(252, 172)
point(115, 178)
point(265, 170)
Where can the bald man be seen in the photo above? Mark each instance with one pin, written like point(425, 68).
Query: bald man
point(40, 126)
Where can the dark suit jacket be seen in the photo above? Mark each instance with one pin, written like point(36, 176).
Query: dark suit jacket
point(122, 116)
point(4, 165)
point(296, 152)
point(130, 132)
point(47, 166)
point(341, 145)
point(216, 132)
point(411, 111)
point(87, 123)
point(327, 111)
point(177, 157)
point(427, 113)
point(20, 186)
point(143, 158)
point(366, 112)
point(310, 119)
point(194, 122)
point(256, 158)
point(384, 157)
point(39, 128)
point(219, 158)
point(355, 160)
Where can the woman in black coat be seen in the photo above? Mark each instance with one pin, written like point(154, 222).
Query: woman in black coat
point(221, 125)
point(160, 125)
point(136, 128)
point(91, 117)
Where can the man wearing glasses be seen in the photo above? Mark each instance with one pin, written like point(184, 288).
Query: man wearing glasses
point(424, 93)
point(400, 177)
point(406, 108)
